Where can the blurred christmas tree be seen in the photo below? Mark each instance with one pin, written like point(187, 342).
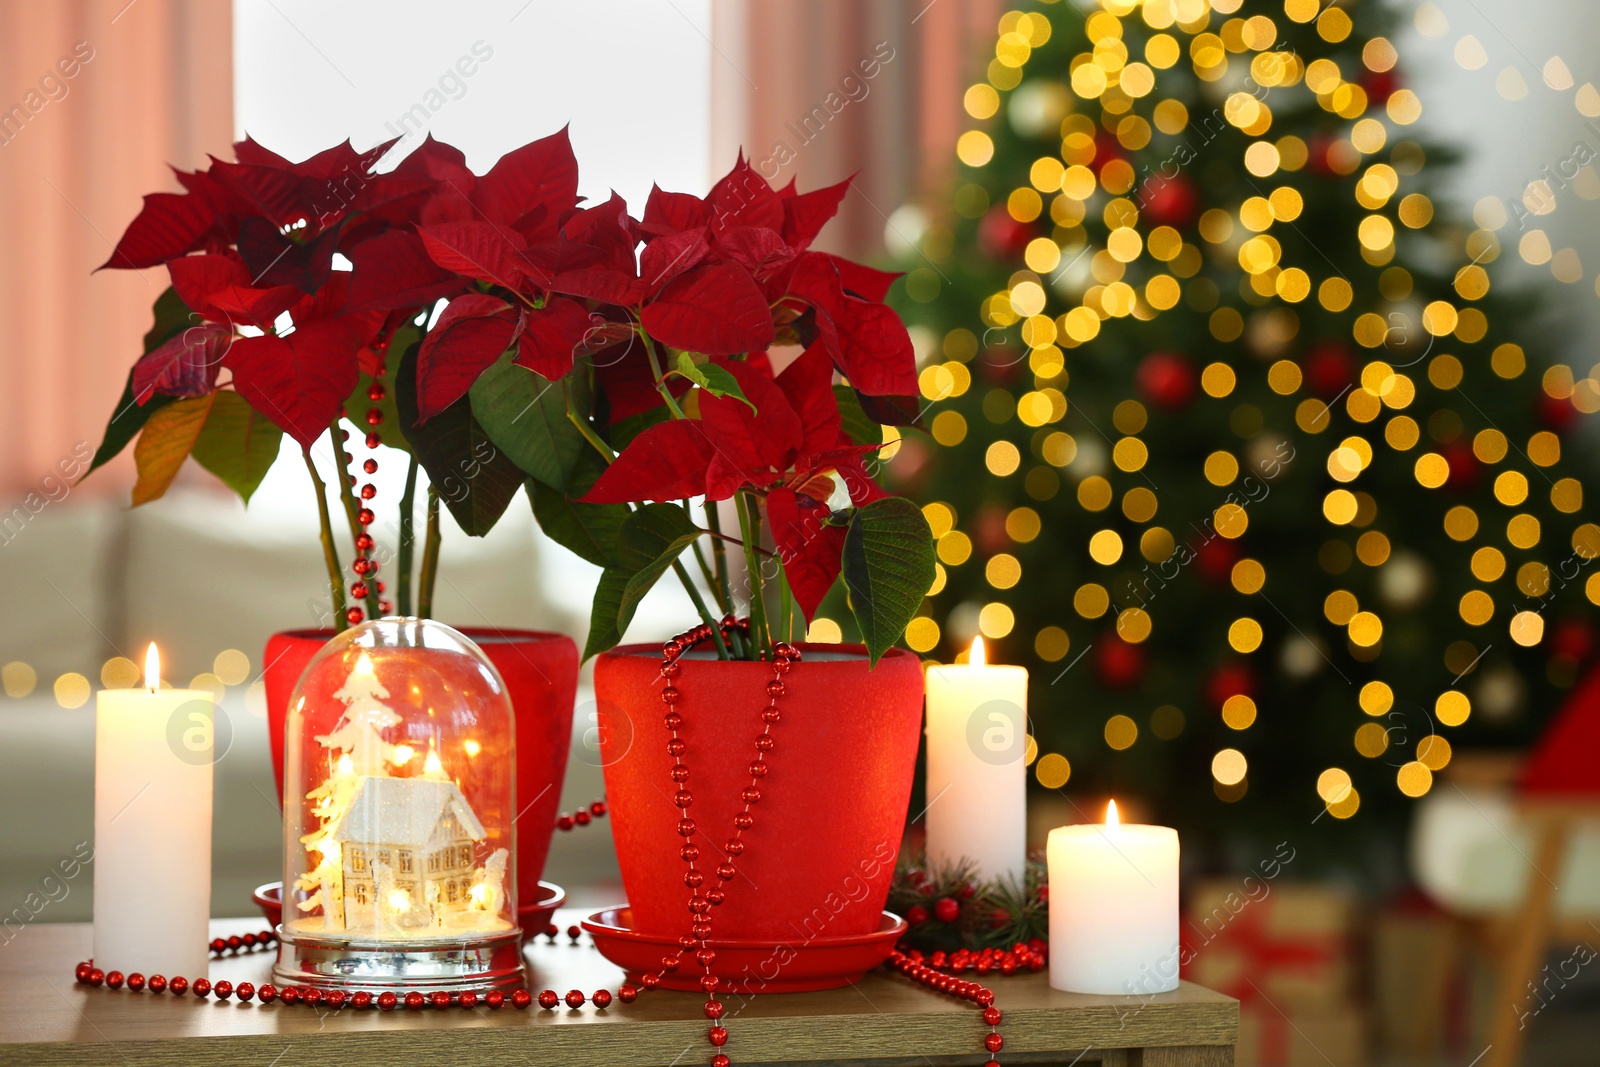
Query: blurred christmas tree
point(1234, 447)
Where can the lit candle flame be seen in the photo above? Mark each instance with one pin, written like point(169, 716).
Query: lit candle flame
point(431, 766)
point(1111, 814)
point(975, 657)
point(152, 668)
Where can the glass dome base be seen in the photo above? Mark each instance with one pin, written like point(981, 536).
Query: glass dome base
point(486, 961)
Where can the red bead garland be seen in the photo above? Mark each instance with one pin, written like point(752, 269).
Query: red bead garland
point(364, 566)
point(581, 817)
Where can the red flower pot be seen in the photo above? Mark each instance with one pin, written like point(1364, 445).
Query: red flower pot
point(541, 674)
point(818, 861)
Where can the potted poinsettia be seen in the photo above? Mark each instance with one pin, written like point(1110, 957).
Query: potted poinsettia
point(296, 290)
point(651, 381)
point(657, 426)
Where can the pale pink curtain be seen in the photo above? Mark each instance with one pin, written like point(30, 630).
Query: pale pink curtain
point(97, 97)
point(789, 86)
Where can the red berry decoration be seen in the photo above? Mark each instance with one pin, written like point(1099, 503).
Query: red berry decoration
point(575, 998)
point(946, 910)
point(548, 999)
point(601, 998)
point(916, 915)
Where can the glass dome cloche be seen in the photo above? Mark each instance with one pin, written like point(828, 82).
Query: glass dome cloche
point(399, 815)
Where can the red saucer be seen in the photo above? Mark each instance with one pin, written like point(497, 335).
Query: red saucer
point(799, 965)
point(533, 916)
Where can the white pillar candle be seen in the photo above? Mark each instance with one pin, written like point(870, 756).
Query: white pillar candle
point(1113, 908)
point(977, 774)
point(152, 828)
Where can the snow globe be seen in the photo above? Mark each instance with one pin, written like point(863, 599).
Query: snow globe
point(399, 813)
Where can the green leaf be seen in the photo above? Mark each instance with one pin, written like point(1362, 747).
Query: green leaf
point(620, 433)
point(888, 568)
point(237, 444)
point(650, 539)
point(590, 530)
point(126, 422)
point(171, 315)
point(525, 415)
point(713, 379)
point(474, 478)
point(861, 428)
point(360, 402)
point(168, 436)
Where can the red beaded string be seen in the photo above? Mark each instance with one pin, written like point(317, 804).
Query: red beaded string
point(694, 879)
point(364, 566)
point(581, 817)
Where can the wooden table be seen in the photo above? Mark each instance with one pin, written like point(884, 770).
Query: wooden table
point(47, 1018)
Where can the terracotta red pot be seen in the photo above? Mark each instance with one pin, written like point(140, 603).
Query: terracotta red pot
point(818, 861)
point(541, 675)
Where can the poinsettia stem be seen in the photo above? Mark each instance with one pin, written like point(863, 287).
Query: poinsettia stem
point(408, 537)
point(701, 606)
point(705, 568)
point(430, 557)
point(785, 606)
point(749, 525)
point(347, 493)
point(661, 382)
point(719, 554)
point(583, 426)
point(330, 551)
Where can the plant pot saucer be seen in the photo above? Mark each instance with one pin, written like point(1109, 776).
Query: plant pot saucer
point(798, 965)
point(532, 916)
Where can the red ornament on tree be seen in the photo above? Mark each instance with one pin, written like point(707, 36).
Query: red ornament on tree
point(1555, 413)
point(989, 530)
point(1229, 679)
point(1317, 150)
point(1003, 237)
point(1464, 466)
point(1117, 664)
point(1167, 380)
point(1214, 558)
point(1168, 201)
point(1330, 368)
point(1573, 637)
point(1380, 85)
point(946, 910)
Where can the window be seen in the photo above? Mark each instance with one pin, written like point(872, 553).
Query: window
point(358, 860)
point(361, 892)
point(405, 861)
point(450, 891)
point(465, 852)
point(383, 856)
point(308, 74)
